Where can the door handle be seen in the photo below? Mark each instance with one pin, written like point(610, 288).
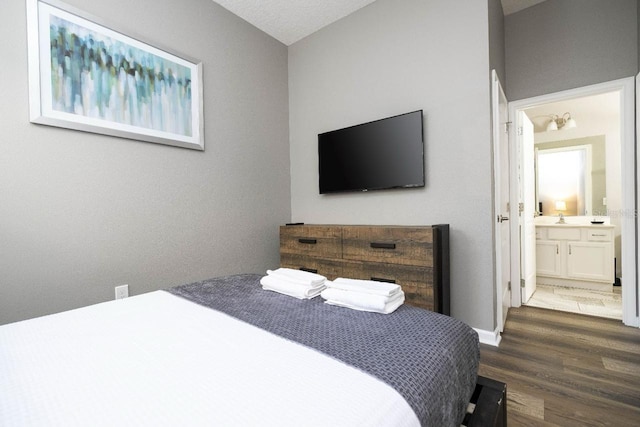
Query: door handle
point(502, 218)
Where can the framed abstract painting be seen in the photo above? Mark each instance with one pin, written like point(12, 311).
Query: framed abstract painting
point(88, 76)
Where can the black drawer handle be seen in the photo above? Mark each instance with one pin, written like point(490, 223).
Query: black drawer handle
point(378, 245)
point(380, 279)
point(308, 241)
point(308, 270)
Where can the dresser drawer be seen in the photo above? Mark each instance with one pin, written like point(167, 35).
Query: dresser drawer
point(331, 269)
point(394, 245)
point(599, 235)
point(313, 241)
point(416, 282)
point(562, 233)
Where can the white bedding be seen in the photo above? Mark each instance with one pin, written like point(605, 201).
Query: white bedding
point(157, 359)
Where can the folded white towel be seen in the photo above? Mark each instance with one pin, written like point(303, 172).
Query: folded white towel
point(286, 287)
point(363, 301)
point(304, 277)
point(366, 286)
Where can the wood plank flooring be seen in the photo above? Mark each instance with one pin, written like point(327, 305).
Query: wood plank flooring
point(565, 369)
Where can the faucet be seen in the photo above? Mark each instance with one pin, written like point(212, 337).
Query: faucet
point(560, 219)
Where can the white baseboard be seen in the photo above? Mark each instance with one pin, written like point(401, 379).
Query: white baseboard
point(488, 337)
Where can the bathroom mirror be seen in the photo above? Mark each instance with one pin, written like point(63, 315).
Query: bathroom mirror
point(570, 177)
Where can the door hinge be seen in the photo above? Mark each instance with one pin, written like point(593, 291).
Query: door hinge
point(506, 127)
point(509, 284)
point(520, 131)
point(520, 207)
point(522, 285)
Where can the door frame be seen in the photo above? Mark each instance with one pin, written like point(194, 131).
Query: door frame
point(629, 224)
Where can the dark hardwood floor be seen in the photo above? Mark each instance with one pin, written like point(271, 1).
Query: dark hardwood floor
point(565, 369)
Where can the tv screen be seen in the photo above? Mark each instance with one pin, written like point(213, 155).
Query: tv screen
point(383, 154)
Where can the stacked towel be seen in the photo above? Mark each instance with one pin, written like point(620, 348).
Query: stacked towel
point(366, 286)
point(364, 295)
point(299, 276)
point(295, 283)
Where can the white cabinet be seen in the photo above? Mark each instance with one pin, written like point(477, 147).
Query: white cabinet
point(566, 253)
point(548, 258)
point(590, 261)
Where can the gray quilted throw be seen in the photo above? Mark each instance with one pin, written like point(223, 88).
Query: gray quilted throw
point(430, 359)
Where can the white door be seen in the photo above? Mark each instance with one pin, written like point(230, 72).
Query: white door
point(528, 188)
point(500, 117)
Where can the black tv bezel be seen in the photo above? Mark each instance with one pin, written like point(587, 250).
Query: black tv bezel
point(364, 190)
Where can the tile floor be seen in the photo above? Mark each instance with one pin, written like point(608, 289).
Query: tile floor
point(575, 300)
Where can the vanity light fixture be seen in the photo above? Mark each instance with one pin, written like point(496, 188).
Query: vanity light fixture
point(561, 122)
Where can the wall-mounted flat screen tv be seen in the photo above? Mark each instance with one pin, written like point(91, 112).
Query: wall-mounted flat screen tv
point(383, 154)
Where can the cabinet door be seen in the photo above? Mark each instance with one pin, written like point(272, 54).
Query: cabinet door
point(590, 261)
point(548, 258)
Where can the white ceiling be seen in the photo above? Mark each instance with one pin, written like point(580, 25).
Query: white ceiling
point(291, 20)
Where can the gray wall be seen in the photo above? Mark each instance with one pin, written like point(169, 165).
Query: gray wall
point(81, 213)
point(390, 58)
point(496, 40)
point(565, 44)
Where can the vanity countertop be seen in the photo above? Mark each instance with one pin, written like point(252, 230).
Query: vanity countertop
point(567, 225)
point(572, 221)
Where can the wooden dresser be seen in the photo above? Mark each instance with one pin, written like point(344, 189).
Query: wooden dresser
point(415, 257)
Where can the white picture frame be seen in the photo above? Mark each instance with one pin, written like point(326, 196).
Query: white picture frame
point(90, 76)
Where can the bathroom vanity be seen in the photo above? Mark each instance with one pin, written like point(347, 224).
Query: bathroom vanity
point(575, 255)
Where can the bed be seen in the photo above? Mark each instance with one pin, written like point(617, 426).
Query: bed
point(226, 352)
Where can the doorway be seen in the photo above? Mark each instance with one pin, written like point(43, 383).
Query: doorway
point(615, 205)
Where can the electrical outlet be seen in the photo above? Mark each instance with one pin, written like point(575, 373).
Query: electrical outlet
point(122, 291)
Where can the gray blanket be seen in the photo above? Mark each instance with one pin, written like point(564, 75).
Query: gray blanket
point(430, 359)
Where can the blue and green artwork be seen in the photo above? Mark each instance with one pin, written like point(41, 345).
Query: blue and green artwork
point(94, 75)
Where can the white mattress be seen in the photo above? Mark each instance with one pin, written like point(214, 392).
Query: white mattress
point(156, 359)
